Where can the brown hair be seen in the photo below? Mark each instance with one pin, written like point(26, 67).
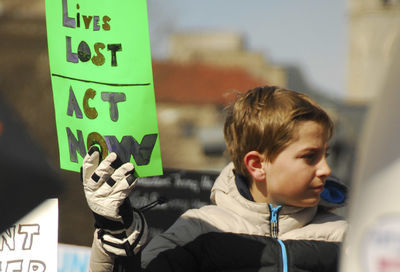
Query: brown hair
point(264, 120)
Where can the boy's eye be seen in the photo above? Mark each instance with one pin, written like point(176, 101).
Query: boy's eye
point(310, 158)
point(314, 157)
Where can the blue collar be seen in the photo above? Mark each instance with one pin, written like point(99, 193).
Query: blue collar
point(243, 187)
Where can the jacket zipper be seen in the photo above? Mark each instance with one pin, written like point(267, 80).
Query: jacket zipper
point(284, 256)
point(274, 216)
point(274, 230)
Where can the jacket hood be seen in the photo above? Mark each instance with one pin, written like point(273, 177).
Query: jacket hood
point(225, 194)
point(334, 194)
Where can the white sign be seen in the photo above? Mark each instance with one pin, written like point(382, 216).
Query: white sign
point(381, 245)
point(31, 243)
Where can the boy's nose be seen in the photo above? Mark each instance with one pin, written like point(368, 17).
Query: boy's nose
point(323, 170)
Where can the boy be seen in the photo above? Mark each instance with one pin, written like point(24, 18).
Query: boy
point(265, 212)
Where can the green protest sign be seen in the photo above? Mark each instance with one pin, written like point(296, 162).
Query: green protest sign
point(102, 81)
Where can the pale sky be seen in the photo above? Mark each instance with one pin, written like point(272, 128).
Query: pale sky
point(311, 34)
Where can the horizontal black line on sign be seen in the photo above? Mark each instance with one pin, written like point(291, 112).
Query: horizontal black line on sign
point(102, 83)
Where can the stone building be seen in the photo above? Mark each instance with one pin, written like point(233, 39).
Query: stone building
point(374, 36)
point(224, 50)
point(190, 100)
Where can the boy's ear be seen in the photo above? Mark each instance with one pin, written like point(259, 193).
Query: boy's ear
point(254, 164)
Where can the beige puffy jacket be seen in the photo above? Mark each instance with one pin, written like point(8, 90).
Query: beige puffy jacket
point(234, 214)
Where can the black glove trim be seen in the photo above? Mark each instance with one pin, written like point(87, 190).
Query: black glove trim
point(100, 235)
point(95, 177)
point(125, 211)
point(102, 222)
point(126, 246)
point(117, 163)
point(143, 223)
point(110, 181)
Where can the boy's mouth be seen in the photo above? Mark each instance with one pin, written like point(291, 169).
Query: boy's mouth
point(318, 189)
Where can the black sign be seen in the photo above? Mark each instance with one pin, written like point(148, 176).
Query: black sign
point(182, 190)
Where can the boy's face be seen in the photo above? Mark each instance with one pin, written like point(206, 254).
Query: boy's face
point(297, 175)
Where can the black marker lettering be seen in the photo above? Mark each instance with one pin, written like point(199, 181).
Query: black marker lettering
point(78, 17)
point(114, 48)
point(84, 53)
point(78, 20)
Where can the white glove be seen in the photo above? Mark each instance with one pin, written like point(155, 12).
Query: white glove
point(107, 186)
